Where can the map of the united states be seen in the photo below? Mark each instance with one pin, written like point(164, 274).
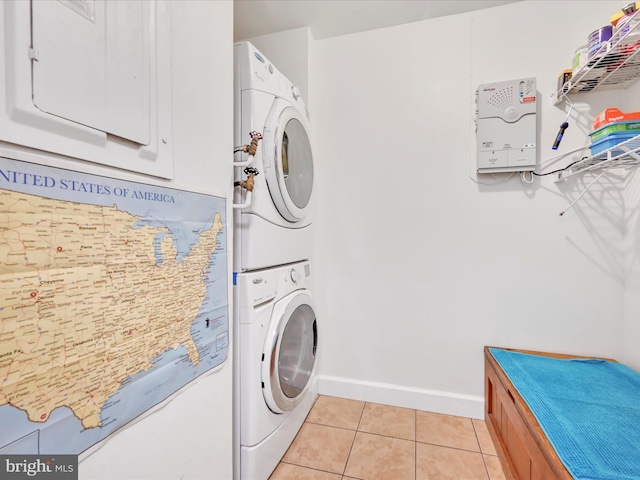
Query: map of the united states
point(87, 300)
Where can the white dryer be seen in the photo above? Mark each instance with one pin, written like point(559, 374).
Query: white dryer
point(275, 228)
point(275, 357)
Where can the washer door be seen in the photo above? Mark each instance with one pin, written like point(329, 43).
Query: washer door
point(288, 162)
point(290, 352)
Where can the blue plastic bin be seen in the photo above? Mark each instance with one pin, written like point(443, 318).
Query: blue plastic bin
point(609, 141)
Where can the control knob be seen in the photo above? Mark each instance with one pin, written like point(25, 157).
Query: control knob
point(295, 276)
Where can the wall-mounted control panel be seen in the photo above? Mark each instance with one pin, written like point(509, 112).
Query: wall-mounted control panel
point(506, 126)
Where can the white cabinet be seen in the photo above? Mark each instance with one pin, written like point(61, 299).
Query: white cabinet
point(89, 79)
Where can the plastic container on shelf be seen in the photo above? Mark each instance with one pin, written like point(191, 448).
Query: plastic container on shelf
point(627, 28)
point(610, 141)
point(611, 115)
point(580, 59)
point(628, 31)
point(599, 43)
point(563, 80)
point(629, 8)
point(616, 127)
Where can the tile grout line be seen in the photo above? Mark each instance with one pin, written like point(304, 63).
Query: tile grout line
point(415, 444)
point(294, 439)
point(451, 448)
point(484, 462)
point(364, 406)
point(344, 470)
point(368, 433)
point(307, 467)
point(415, 414)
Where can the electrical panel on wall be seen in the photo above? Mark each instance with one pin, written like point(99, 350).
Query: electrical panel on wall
point(91, 64)
point(506, 126)
point(95, 83)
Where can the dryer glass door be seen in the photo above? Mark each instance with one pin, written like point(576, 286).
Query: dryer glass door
point(290, 353)
point(296, 162)
point(288, 161)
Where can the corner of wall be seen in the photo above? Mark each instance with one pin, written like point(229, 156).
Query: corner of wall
point(631, 325)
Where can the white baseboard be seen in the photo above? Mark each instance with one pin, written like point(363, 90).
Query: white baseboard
point(469, 406)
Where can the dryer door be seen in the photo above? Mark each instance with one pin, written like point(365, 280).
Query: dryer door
point(288, 162)
point(290, 352)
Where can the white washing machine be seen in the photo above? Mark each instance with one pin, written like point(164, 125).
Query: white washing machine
point(275, 227)
point(275, 384)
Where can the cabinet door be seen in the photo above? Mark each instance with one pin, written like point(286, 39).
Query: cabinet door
point(517, 449)
point(91, 64)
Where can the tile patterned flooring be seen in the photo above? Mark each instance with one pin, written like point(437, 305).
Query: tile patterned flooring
point(352, 440)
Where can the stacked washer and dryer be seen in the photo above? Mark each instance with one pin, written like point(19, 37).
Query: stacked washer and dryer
point(276, 333)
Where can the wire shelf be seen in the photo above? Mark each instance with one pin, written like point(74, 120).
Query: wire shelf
point(615, 65)
point(624, 154)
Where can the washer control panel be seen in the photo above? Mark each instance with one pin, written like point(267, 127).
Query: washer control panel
point(294, 275)
point(262, 286)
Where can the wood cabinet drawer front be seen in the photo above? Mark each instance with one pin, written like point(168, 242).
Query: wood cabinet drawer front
point(520, 442)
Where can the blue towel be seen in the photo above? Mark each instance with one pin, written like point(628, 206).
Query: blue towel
point(589, 410)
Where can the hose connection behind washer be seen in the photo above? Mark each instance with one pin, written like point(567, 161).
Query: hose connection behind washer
point(249, 183)
point(252, 147)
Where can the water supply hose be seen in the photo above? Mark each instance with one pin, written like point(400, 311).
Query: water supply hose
point(249, 183)
point(250, 149)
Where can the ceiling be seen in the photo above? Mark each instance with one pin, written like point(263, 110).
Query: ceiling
point(330, 18)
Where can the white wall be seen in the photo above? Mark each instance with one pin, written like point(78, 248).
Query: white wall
point(188, 437)
point(419, 263)
point(631, 354)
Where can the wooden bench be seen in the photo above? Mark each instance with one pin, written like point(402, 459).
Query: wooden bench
point(523, 448)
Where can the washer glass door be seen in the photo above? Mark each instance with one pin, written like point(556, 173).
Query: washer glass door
point(291, 354)
point(290, 175)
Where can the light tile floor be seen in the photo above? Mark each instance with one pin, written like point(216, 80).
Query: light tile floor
point(351, 440)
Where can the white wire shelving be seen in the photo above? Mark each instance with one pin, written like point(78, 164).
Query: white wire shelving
point(624, 154)
point(615, 65)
